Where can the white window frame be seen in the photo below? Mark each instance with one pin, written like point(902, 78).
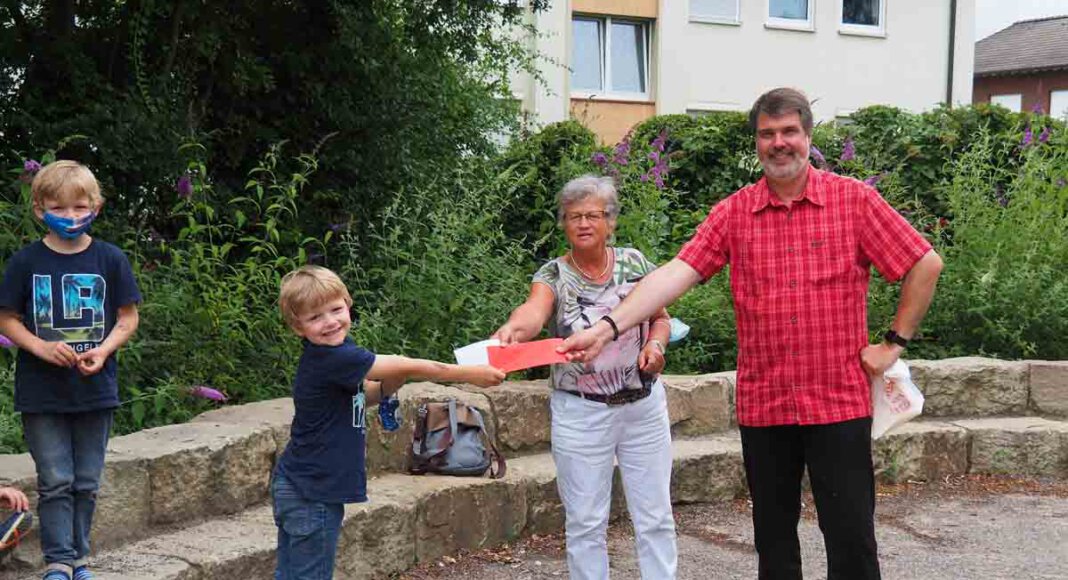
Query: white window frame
point(1063, 113)
point(736, 21)
point(1019, 96)
point(807, 25)
point(862, 29)
point(606, 66)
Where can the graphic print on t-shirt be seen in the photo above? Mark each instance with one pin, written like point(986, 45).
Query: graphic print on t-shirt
point(78, 315)
point(359, 411)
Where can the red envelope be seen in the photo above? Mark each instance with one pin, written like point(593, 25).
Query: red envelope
point(517, 357)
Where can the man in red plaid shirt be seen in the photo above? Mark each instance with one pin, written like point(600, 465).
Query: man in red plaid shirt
point(800, 243)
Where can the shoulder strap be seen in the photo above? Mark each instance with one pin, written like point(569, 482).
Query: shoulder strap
point(495, 455)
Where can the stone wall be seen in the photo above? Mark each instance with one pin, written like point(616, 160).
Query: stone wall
point(220, 462)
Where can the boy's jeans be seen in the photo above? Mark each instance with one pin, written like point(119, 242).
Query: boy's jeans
point(307, 533)
point(68, 450)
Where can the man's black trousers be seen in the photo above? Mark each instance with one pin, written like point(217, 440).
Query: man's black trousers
point(838, 457)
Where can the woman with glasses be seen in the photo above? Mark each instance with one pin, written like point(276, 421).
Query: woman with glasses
point(613, 408)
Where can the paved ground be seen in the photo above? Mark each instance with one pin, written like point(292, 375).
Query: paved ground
point(965, 528)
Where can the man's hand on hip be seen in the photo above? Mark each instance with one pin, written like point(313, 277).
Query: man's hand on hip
point(876, 358)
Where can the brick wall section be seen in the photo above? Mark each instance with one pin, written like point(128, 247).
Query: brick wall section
point(1035, 87)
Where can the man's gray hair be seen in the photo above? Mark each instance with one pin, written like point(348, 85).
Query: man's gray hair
point(782, 101)
point(584, 187)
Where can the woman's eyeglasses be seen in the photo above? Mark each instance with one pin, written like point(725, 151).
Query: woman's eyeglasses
point(591, 216)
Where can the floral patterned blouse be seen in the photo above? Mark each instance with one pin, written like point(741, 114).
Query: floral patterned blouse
point(579, 304)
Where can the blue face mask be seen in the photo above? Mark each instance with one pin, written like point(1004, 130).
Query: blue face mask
point(68, 228)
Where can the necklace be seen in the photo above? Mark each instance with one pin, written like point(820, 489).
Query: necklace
point(607, 265)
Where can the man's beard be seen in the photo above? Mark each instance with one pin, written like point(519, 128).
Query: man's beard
point(784, 171)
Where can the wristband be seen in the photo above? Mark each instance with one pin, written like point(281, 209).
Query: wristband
point(612, 323)
point(894, 338)
point(658, 344)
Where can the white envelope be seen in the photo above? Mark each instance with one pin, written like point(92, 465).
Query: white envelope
point(904, 402)
point(475, 353)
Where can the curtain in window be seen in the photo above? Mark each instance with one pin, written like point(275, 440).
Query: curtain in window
point(863, 12)
point(792, 9)
point(628, 57)
point(587, 42)
point(722, 9)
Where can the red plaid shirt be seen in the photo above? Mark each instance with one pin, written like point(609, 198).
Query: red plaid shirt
point(799, 276)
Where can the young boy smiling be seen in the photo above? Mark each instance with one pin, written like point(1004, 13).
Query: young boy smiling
point(68, 302)
point(322, 467)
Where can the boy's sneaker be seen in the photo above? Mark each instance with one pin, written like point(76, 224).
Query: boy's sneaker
point(13, 529)
point(83, 573)
point(55, 575)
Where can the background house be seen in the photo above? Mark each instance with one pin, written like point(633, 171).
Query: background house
point(1025, 66)
point(628, 60)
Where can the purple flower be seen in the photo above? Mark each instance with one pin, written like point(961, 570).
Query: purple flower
point(1028, 137)
point(1044, 135)
point(1061, 182)
point(206, 392)
point(849, 151)
point(645, 178)
point(821, 161)
point(31, 166)
point(874, 179)
point(184, 187)
point(1038, 108)
point(622, 151)
point(655, 156)
point(5, 342)
point(337, 227)
point(659, 181)
point(599, 159)
point(660, 140)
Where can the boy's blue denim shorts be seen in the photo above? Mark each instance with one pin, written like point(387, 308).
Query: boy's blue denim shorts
point(307, 533)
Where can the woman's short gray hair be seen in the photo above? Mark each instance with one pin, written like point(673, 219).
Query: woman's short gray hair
point(581, 188)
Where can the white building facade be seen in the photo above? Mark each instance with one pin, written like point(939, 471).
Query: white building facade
point(613, 63)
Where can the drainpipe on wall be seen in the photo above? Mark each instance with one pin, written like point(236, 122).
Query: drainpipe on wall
point(952, 51)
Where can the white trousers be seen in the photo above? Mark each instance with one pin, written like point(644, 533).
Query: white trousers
point(587, 438)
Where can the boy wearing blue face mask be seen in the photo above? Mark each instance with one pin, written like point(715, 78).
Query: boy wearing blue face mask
point(68, 302)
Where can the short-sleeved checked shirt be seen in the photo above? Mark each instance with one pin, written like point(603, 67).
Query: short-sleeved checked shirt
point(799, 277)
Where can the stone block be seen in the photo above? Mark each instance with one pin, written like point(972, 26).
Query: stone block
point(707, 470)
point(1023, 446)
point(1049, 387)
point(921, 451)
point(275, 414)
point(971, 386)
point(456, 514)
point(387, 451)
point(199, 469)
point(521, 413)
point(376, 537)
point(699, 404)
point(124, 504)
point(545, 512)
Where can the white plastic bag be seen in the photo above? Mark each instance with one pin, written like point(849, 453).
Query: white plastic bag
point(904, 401)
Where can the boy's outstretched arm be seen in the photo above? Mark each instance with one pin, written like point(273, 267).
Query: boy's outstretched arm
point(91, 361)
point(393, 369)
point(57, 353)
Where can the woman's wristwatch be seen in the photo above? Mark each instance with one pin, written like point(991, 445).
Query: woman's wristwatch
point(659, 345)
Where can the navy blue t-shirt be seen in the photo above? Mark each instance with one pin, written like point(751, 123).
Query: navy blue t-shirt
point(325, 455)
point(73, 298)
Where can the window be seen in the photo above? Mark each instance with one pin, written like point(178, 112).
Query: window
point(719, 11)
point(865, 17)
point(792, 14)
point(610, 56)
point(1058, 105)
point(1012, 102)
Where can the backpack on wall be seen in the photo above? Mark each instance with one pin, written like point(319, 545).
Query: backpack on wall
point(450, 439)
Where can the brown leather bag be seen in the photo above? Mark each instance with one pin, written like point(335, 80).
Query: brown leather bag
point(450, 438)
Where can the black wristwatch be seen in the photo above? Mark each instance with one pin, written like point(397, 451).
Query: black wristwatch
point(894, 338)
